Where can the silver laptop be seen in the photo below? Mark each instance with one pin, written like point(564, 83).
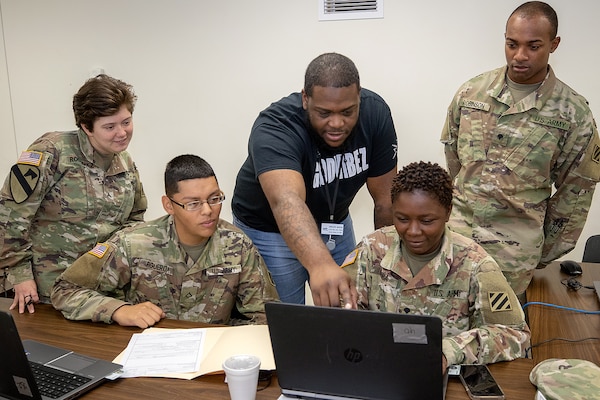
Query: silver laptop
point(333, 353)
point(36, 371)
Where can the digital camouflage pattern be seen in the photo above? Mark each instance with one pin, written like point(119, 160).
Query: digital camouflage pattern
point(147, 263)
point(481, 317)
point(56, 204)
point(504, 160)
point(567, 379)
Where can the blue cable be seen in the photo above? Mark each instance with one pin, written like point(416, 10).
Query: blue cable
point(557, 306)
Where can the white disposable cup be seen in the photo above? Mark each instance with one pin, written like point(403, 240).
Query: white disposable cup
point(242, 376)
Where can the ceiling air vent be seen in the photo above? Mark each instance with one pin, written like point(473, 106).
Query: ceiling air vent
point(330, 10)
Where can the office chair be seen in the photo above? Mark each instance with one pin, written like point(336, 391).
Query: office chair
point(591, 252)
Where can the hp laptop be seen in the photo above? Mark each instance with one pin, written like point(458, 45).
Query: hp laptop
point(334, 353)
point(36, 371)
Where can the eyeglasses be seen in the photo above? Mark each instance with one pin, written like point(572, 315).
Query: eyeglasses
point(197, 204)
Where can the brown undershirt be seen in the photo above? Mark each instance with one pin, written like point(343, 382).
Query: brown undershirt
point(194, 251)
point(417, 262)
point(519, 91)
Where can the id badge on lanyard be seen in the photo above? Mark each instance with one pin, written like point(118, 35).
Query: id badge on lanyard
point(331, 229)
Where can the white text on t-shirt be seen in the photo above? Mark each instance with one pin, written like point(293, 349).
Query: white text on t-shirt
point(327, 169)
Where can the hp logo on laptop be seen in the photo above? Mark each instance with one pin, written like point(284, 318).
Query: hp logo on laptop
point(353, 355)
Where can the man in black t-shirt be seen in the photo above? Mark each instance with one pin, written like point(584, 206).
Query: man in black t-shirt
point(308, 155)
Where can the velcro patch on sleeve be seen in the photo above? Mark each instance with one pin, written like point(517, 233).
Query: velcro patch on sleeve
point(31, 158)
point(595, 154)
point(499, 301)
point(350, 258)
point(99, 250)
point(23, 180)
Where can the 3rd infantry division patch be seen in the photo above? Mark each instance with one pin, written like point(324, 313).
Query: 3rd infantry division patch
point(499, 301)
point(596, 154)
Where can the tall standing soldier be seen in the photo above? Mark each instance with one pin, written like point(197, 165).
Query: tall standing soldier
point(308, 155)
point(70, 190)
point(512, 134)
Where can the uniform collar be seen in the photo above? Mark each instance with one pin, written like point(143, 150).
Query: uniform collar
point(433, 273)
point(85, 146)
point(499, 90)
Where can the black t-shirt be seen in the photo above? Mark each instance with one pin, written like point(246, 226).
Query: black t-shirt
point(281, 139)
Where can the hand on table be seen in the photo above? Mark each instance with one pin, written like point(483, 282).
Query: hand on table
point(25, 296)
point(142, 315)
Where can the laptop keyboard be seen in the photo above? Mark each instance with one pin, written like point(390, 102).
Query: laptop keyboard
point(55, 383)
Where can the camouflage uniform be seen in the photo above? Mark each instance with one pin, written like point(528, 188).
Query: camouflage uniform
point(504, 159)
point(56, 204)
point(147, 263)
point(481, 317)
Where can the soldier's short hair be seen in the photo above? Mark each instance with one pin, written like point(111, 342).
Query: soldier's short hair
point(426, 176)
point(330, 70)
point(101, 96)
point(534, 8)
point(184, 167)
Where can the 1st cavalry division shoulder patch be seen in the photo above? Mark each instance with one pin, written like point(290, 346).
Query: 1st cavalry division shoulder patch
point(25, 175)
point(499, 301)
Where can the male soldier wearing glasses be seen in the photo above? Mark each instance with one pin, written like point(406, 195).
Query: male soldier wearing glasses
point(187, 265)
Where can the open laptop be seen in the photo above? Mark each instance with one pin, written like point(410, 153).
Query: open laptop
point(19, 359)
point(334, 353)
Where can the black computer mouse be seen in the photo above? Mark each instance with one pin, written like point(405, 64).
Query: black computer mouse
point(571, 267)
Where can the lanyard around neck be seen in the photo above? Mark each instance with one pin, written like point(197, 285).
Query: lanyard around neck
point(331, 201)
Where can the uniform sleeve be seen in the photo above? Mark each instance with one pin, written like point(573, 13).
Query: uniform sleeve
point(20, 199)
point(91, 288)
point(498, 331)
point(140, 203)
point(449, 137)
point(569, 206)
point(255, 289)
point(355, 266)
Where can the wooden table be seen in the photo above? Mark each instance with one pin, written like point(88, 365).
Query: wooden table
point(106, 341)
point(548, 323)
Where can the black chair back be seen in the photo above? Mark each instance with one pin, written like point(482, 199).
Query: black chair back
point(591, 252)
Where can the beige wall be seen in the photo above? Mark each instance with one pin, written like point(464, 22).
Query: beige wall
point(204, 69)
point(7, 137)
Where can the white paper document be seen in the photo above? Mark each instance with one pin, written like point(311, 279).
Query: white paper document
point(170, 353)
point(167, 352)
